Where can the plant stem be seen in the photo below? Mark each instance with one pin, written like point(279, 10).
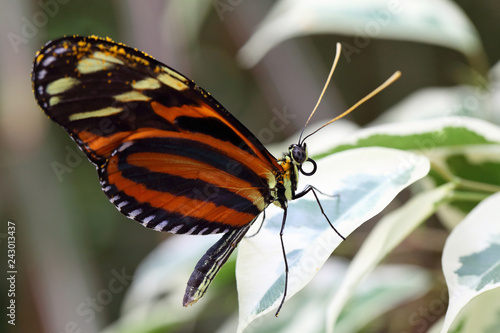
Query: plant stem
point(477, 186)
point(468, 196)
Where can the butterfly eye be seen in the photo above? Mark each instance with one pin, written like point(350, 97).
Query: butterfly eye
point(299, 153)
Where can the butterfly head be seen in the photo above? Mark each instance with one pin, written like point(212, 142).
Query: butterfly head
point(299, 156)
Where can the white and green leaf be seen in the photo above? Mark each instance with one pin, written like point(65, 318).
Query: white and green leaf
point(460, 149)
point(387, 234)
point(439, 22)
point(388, 286)
point(471, 266)
point(364, 180)
point(426, 136)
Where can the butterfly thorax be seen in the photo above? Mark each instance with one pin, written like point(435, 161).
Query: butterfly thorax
point(288, 179)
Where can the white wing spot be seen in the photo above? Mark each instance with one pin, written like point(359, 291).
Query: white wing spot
point(48, 60)
point(148, 219)
point(175, 229)
point(54, 100)
point(149, 83)
point(61, 85)
point(121, 204)
point(107, 57)
point(132, 96)
point(61, 50)
point(108, 111)
point(161, 225)
point(125, 145)
point(134, 213)
point(174, 74)
point(191, 230)
point(98, 62)
point(41, 74)
point(172, 82)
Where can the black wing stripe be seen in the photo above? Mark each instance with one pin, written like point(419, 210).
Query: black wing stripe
point(213, 127)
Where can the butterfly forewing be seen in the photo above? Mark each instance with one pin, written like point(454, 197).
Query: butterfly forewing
point(168, 154)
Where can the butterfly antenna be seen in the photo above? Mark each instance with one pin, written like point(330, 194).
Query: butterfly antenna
point(335, 61)
point(384, 85)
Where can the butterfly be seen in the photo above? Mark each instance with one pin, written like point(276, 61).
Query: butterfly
point(168, 155)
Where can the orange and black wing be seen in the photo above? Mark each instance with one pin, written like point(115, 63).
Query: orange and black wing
point(167, 153)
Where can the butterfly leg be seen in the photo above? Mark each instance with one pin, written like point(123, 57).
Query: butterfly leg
point(209, 265)
point(260, 226)
point(313, 189)
point(284, 259)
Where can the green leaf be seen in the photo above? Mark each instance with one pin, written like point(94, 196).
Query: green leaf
point(480, 164)
point(364, 180)
point(439, 22)
point(471, 260)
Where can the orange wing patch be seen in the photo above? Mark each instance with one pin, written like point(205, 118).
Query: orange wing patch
point(101, 146)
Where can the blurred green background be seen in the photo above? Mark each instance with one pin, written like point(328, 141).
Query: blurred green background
point(71, 243)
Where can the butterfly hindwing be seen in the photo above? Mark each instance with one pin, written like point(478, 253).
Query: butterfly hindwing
point(181, 190)
point(168, 154)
